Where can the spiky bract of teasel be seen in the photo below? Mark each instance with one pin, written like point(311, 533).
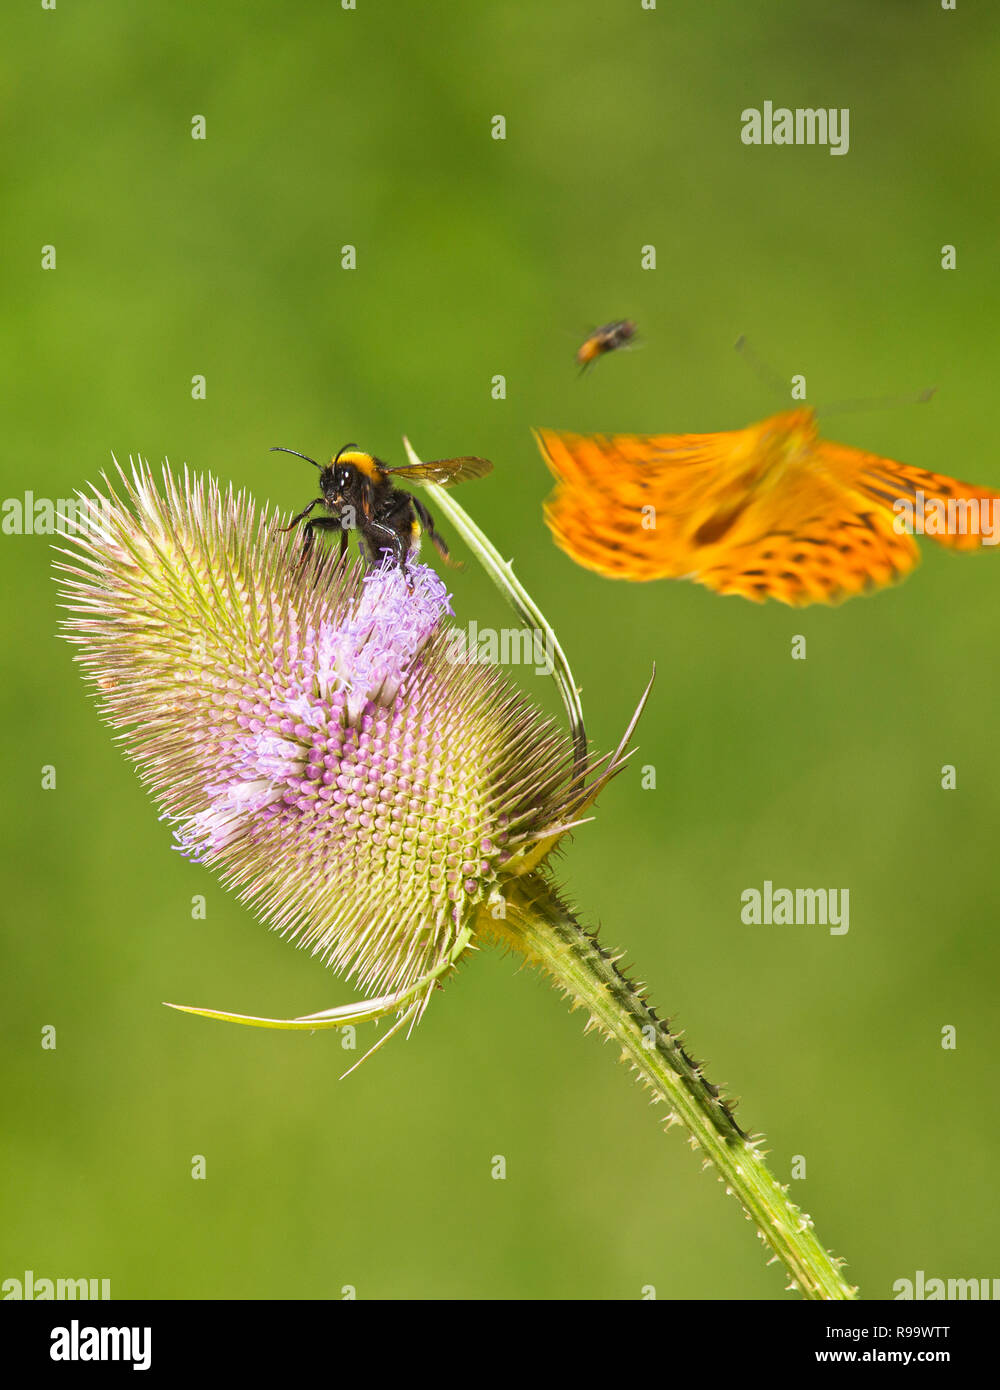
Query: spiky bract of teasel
point(306, 728)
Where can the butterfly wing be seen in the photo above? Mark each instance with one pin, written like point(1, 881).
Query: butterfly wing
point(961, 516)
point(770, 511)
point(819, 545)
point(849, 529)
point(707, 507)
point(627, 505)
point(444, 472)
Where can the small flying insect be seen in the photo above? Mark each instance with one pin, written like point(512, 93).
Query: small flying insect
point(607, 338)
point(359, 492)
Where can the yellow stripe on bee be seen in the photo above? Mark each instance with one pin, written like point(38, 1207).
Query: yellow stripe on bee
point(363, 462)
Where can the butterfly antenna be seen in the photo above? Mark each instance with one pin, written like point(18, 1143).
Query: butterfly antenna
point(878, 402)
point(764, 370)
point(280, 449)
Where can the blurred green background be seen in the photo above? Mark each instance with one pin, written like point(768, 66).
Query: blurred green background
point(221, 257)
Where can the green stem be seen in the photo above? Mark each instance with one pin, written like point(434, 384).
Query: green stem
point(544, 930)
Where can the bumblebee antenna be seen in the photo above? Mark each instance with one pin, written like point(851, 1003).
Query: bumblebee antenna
point(344, 451)
point(280, 449)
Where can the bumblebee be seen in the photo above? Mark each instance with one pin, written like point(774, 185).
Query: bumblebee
point(359, 492)
point(605, 339)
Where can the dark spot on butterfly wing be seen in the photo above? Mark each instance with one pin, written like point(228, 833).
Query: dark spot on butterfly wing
point(716, 526)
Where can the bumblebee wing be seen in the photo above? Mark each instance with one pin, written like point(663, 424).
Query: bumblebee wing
point(444, 472)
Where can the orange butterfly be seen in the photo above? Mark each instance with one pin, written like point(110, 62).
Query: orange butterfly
point(770, 511)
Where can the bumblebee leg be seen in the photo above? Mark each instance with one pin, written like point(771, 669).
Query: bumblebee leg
point(397, 522)
point(321, 523)
point(316, 502)
point(427, 522)
point(335, 524)
point(396, 543)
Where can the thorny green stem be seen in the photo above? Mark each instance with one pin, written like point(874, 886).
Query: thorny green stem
point(502, 573)
point(542, 928)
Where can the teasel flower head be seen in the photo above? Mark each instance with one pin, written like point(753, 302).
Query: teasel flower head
point(306, 729)
point(310, 736)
